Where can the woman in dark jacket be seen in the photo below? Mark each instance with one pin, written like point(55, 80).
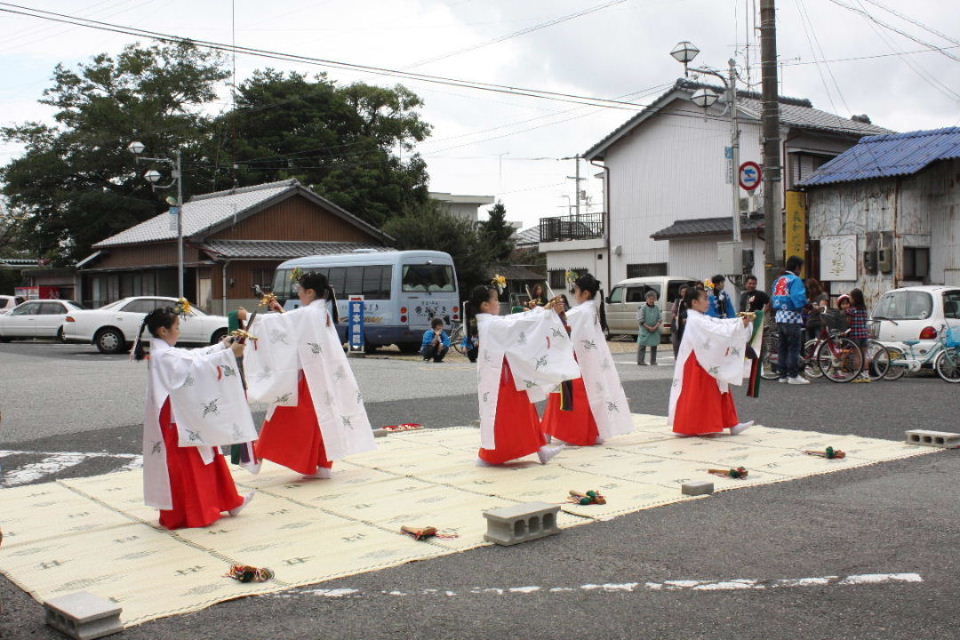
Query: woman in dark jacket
point(679, 319)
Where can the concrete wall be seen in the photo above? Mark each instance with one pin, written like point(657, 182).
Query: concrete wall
point(697, 257)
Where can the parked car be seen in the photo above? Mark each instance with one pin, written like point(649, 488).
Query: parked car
point(36, 319)
point(9, 302)
point(627, 296)
point(113, 328)
point(916, 313)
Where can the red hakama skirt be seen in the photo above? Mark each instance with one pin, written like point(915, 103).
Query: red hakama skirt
point(516, 427)
point(701, 407)
point(576, 427)
point(201, 492)
point(292, 438)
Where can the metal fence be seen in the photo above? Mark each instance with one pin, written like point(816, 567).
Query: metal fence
point(585, 226)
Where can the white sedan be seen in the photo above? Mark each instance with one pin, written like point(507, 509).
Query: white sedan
point(113, 328)
point(36, 319)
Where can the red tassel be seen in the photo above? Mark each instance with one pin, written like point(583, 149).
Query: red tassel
point(219, 373)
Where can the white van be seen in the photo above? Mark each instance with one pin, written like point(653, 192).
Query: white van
point(627, 296)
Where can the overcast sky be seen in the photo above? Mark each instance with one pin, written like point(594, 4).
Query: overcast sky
point(510, 146)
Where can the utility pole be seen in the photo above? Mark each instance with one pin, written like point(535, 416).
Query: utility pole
point(577, 180)
point(770, 132)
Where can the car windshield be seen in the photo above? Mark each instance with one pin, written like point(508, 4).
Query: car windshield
point(428, 277)
point(904, 305)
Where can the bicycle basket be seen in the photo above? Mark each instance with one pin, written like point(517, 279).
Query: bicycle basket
point(835, 320)
point(953, 337)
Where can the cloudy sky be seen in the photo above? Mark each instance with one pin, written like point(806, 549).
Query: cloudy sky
point(511, 146)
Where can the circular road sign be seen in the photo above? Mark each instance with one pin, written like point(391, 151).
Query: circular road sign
point(750, 175)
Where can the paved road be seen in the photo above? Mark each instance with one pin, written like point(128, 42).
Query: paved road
point(894, 518)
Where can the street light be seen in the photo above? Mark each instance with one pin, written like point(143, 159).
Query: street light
point(153, 177)
point(685, 52)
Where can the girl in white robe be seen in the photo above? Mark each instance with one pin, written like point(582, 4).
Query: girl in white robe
point(522, 357)
point(710, 359)
point(297, 366)
point(600, 410)
point(195, 404)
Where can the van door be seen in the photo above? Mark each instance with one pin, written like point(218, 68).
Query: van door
point(617, 320)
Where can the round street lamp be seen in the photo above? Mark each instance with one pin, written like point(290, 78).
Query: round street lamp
point(136, 147)
point(703, 98)
point(152, 176)
point(685, 52)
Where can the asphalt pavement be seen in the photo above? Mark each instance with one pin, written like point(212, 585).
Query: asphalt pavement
point(855, 554)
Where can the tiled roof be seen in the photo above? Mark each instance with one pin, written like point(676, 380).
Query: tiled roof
point(527, 237)
point(794, 112)
point(706, 227)
point(280, 249)
point(898, 154)
point(203, 213)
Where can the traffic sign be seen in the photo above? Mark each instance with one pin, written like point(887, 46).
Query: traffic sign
point(750, 175)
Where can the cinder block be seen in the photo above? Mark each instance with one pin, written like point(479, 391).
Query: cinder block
point(941, 439)
point(522, 522)
point(83, 616)
point(380, 433)
point(697, 488)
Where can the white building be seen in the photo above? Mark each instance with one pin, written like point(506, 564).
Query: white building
point(464, 207)
point(667, 198)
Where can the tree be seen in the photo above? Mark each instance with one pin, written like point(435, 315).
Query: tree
point(340, 141)
point(427, 226)
point(497, 233)
point(76, 183)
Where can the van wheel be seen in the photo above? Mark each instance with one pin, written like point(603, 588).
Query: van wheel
point(369, 347)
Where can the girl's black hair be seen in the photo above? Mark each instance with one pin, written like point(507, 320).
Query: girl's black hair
point(587, 282)
point(163, 317)
point(856, 299)
point(321, 286)
point(691, 295)
point(478, 295)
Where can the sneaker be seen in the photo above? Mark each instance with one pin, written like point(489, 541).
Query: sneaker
point(641, 364)
point(740, 428)
point(246, 500)
point(783, 380)
point(546, 453)
point(798, 380)
point(322, 473)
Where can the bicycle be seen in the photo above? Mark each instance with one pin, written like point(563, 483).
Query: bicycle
point(770, 366)
point(456, 338)
point(945, 356)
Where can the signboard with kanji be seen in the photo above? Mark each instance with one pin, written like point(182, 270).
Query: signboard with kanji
point(355, 323)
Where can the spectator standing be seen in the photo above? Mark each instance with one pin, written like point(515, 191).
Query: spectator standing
point(436, 341)
point(752, 299)
point(818, 301)
point(721, 306)
point(859, 327)
point(789, 298)
point(648, 315)
point(679, 319)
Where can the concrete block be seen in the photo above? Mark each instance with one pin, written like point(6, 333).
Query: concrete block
point(522, 522)
point(941, 439)
point(380, 433)
point(697, 488)
point(83, 616)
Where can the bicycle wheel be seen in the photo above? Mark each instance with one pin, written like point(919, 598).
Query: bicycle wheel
point(808, 360)
point(770, 366)
point(948, 365)
point(876, 360)
point(840, 359)
point(456, 339)
point(895, 371)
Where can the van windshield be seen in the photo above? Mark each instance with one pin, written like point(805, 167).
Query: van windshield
point(283, 286)
point(428, 277)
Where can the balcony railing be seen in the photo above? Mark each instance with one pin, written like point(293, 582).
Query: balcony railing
point(586, 226)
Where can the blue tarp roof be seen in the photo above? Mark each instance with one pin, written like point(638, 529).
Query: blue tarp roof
point(897, 154)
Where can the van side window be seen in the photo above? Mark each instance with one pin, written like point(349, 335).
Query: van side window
point(376, 282)
point(636, 294)
point(951, 305)
point(616, 296)
point(337, 279)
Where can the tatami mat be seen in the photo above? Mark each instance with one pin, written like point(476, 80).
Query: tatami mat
point(94, 534)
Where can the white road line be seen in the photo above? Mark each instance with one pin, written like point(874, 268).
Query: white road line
point(627, 587)
point(55, 462)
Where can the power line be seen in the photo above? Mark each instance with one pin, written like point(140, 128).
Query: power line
point(870, 57)
point(542, 94)
point(913, 21)
point(805, 17)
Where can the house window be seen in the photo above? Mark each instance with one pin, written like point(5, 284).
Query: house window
point(646, 270)
point(558, 279)
point(262, 277)
point(916, 263)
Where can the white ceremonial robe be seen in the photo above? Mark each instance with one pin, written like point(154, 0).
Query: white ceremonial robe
point(302, 340)
point(540, 354)
point(608, 402)
point(207, 404)
point(719, 345)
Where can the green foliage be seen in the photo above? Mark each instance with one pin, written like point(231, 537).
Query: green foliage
point(427, 226)
point(76, 183)
point(497, 234)
point(340, 141)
